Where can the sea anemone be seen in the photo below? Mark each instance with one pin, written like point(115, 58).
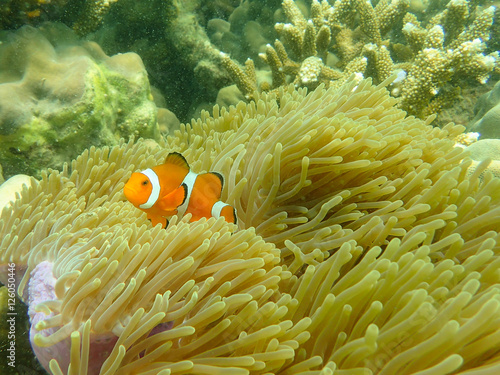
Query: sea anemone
point(363, 246)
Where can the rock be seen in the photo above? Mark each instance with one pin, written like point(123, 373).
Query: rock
point(487, 114)
point(228, 96)
point(484, 149)
point(167, 121)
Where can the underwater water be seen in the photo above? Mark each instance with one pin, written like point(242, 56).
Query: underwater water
point(251, 186)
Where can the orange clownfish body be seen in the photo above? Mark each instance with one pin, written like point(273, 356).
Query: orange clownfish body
point(171, 188)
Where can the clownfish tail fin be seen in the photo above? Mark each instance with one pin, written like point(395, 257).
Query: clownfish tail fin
point(176, 158)
point(229, 213)
point(225, 210)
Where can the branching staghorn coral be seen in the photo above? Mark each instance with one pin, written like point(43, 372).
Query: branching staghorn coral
point(441, 57)
point(388, 260)
point(302, 50)
point(354, 37)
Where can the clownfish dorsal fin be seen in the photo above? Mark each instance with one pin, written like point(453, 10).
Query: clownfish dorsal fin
point(176, 158)
point(213, 181)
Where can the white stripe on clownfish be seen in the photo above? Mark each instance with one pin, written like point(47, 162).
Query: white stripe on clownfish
point(155, 188)
point(217, 208)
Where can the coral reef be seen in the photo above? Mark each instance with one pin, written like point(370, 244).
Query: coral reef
point(169, 36)
point(171, 39)
point(59, 95)
point(434, 48)
point(462, 109)
point(246, 30)
point(362, 247)
point(328, 44)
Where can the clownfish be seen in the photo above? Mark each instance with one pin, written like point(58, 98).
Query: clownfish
point(171, 188)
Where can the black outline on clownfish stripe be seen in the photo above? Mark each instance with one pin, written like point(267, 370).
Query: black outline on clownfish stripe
point(185, 193)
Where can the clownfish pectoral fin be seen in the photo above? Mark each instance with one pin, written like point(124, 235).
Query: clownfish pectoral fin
point(171, 201)
point(176, 158)
point(155, 219)
point(211, 182)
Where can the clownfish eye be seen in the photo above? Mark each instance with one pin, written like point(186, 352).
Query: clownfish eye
point(145, 182)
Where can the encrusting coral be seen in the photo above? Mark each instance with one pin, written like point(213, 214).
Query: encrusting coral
point(362, 247)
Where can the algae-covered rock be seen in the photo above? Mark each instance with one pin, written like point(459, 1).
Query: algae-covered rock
point(59, 96)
